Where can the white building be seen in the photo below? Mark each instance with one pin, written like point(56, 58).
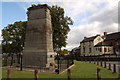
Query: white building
point(97, 45)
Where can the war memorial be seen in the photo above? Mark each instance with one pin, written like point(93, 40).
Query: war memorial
point(38, 51)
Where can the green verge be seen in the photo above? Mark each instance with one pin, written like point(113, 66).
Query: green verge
point(80, 70)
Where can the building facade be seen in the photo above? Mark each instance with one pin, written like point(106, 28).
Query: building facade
point(99, 45)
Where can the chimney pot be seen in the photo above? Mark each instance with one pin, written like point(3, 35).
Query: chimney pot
point(105, 33)
point(98, 35)
point(85, 37)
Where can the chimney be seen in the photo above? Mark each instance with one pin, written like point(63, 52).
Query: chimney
point(98, 35)
point(105, 33)
point(85, 37)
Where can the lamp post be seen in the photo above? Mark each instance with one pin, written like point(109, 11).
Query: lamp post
point(57, 70)
point(21, 56)
point(58, 62)
point(68, 61)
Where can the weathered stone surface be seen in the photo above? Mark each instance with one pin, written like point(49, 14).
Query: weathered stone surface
point(38, 49)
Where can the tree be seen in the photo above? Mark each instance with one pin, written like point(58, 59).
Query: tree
point(60, 26)
point(62, 52)
point(13, 38)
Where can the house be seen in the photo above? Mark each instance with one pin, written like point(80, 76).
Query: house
point(114, 40)
point(76, 51)
point(99, 45)
point(87, 45)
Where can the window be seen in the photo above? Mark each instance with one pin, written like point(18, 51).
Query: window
point(83, 49)
point(105, 49)
point(96, 49)
point(84, 43)
point(100, 49)
point(89, 50)
point(111, 43)
point(50, 56)
point(109, 49)
point(51, 64)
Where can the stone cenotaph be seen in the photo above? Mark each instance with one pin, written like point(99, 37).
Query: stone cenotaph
point(38, 50)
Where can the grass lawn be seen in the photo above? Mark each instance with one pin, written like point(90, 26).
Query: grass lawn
point(80, 70)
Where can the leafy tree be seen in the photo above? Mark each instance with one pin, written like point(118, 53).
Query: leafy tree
point(62, 52)
point(13, 38)
point(60, 25)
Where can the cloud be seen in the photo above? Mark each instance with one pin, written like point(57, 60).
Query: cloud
point(106, 17)
point(77, 9)
point(47, 0)
point(77, 34)
point(83, 11)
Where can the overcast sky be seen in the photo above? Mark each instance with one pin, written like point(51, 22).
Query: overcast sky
point(91, 17)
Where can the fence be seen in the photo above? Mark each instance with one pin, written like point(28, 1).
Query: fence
point(98, 58)
point(111, 62)
point(64, 62)
point(114, 66)
point(98, 74)
point(11, 60)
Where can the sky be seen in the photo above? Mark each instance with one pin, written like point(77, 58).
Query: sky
point(90, 17)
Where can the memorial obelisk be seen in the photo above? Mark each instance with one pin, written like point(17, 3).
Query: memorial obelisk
point(38, 50)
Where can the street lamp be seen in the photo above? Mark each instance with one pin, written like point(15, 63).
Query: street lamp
point(57, 70)
point(21, 56)
point(58, 62)
point(68, 61)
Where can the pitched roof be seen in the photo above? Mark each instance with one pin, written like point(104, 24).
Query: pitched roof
point(102, 44)
point(113, 36)
point(88, 39)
